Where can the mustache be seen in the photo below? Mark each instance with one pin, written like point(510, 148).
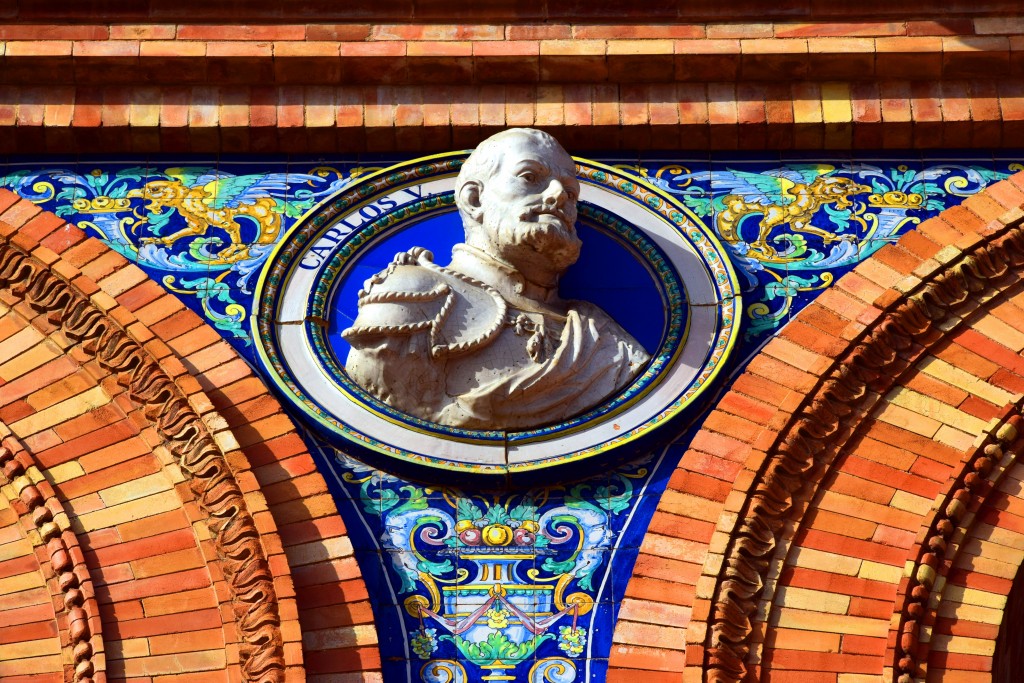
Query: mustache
point(543, 211)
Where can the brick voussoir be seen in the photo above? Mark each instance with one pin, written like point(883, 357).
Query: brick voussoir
point(150, 318)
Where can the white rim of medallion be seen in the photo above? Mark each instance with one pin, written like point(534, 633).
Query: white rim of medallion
point(295, 290)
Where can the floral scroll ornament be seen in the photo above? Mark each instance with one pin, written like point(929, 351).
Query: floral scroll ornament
point(793, 230)
point(201, 231)
point(500, 580)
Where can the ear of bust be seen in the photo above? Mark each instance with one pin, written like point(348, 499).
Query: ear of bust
point(469, 198)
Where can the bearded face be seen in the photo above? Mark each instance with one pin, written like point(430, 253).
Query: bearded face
point(528, 206)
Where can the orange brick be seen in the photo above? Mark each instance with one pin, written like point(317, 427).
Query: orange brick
point(636, 657)
point(242, 32)
point(185, 642)
point(171, 623)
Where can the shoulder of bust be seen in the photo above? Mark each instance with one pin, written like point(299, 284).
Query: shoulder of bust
point(414, 295)
point(411, 275)
point(406, 297)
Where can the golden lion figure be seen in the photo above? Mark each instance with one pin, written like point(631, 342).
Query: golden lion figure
point(806, 200)
point(217, 204)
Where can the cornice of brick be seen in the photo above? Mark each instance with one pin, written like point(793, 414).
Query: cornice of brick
point(383, 84)
point(494, 10)
point(179, 77)
point(686, 116)
point(459, 55)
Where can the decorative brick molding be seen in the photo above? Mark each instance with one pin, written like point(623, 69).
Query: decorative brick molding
point(432, 76)
point(43, 511)
point(981, 472)
point(816, 432)
point(854, 344)
point(241, 555)
point(911, 324)
point(498, 11)
point(319, 591)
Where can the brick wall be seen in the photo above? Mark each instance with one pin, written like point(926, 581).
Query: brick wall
point(432, 76)
point(857, 496)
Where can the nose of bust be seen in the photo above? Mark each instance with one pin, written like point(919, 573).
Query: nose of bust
point(555, 194)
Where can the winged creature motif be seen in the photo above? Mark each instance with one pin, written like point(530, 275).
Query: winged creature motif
point(218, 200)
point(783, 198)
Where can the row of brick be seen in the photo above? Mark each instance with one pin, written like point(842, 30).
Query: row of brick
point(397, 62)
point(117, 11)
point(981, 26)
point(833, 115)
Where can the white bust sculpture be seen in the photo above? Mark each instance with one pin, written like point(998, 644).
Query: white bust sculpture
point(486, 342)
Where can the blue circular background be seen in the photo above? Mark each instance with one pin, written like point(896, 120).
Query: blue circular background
point(608, 274)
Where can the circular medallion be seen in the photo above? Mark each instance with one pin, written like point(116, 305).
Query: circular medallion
point(647, 264)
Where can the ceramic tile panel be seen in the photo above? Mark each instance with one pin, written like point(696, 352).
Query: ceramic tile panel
point(469, 582)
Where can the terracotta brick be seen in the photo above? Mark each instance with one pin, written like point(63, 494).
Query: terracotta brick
point(139, 32)
point(959, 356)
point(184, 642)
point(538, 32)
point(153, 525)
point(50, 48)
point(974, 57)
point(851, 547)
point(855, 644)
point(636, 657)
point(171, 623)
point(436, 32)
point(171, 48)
point(783, 374)
point(168, 562)
point(106, 48)
point(110, 476)
point(50, 372)
point(338, 32)
point(768, 58)
point(241, 32)
point(819, 29)
point(740, 30)
point(709, 60)
point(342, 660)
point(1006, 194)
point(945, 27)
point(183, 601)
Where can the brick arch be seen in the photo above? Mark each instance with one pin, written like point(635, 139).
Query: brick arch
point(277, 546)
point(124, 543)
point(32, 630)
point(951, 602)
point(770, 467)
point(67, 578)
